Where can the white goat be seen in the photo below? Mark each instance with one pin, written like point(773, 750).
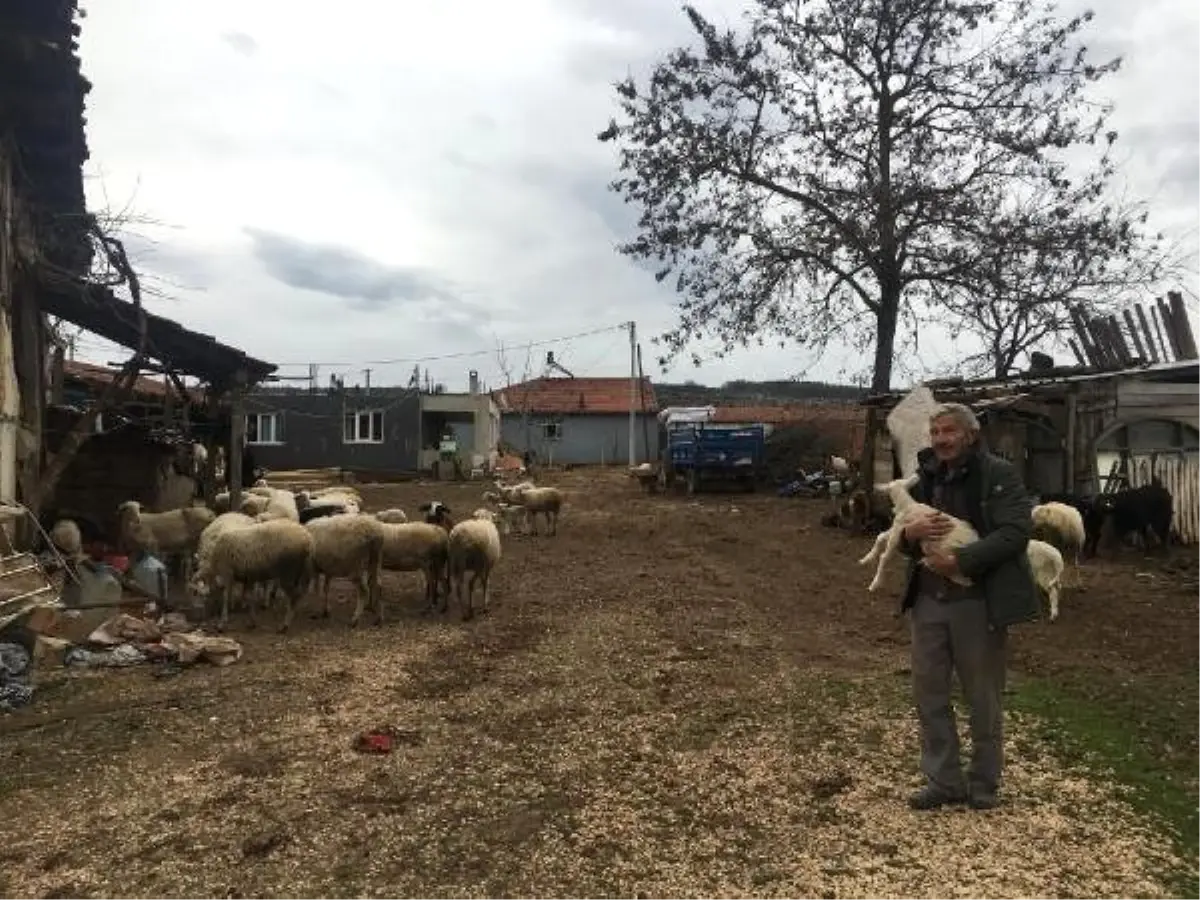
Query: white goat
point(906, 510)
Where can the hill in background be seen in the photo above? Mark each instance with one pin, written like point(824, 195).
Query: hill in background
point(741, 393)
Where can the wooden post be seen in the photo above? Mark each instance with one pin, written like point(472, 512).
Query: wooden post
point(1164, 317)
point(237, 439)
point(1072, 433)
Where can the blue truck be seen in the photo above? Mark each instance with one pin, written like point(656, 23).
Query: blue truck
point(699, 453)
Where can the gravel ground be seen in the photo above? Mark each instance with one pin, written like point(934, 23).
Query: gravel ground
point(673, 697)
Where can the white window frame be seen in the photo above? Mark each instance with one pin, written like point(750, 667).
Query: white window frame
point(359, 416)
point(552, 431)
point(274, 418)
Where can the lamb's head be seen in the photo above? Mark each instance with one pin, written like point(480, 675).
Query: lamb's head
point(491, 497)
point(898, 488)
point(485, 514)
point(130, 509)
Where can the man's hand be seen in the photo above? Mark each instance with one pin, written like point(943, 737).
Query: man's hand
point(933, 526)
point(943, 562)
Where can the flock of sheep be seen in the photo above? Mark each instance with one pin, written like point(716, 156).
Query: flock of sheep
point(282, 543)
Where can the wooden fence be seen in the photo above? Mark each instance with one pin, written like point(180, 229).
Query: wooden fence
point(1180, 475)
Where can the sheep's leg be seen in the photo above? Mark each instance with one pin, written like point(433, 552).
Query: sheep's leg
point(891, 547)
point(325, 610)
point(1052, 592)
point(533, 522)
point(553, 519)
point(463, 586)
point(484, 604)
point(291, 594)
point(223, 621)
point(252, 603)
point(359, 605)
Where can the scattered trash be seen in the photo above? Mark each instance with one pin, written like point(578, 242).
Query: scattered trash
point(116, 657)
point(15, 691)
point(384, 740)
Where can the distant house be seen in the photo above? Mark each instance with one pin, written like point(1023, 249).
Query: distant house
point(579, 421)
point(375, 429)
point(396, 430)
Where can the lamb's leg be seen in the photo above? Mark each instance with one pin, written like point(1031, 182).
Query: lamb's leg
point(326, 612)
point(889, 550)
point(374, 589)
point(291, 594)
point(533, 522)
point(1052, 592)
point(485, 579)
point(552, 517)
point(876, 548)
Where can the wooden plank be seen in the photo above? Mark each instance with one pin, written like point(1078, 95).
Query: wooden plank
point(1133, 336)
point(1079, 357)
point(1118, 341)
point(1158, 332)
point(1183, 327)
point(1164, 320)
point(1146, 332)
point(1079, 323)
point(1100, 342)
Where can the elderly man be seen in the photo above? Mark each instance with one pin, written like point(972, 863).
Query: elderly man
point(963, 629)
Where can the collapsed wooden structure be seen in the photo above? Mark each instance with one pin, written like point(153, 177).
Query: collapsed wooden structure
point(47, 246)
point(1125, 415)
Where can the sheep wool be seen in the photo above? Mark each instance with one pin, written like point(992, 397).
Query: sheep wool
point(474, 546)
point(417, 547)
point(279, 550)
point(349, 547)
point(1047, 564)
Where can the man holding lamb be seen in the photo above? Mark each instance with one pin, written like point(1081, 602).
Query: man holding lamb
point(957, 628)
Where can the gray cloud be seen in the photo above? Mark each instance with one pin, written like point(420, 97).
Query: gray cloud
point(240, 42)
point(340, 272)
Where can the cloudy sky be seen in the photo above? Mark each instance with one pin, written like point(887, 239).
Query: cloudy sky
point(365, 184)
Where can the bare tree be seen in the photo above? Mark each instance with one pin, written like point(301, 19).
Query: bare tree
point(506, 371)
point(835, 169)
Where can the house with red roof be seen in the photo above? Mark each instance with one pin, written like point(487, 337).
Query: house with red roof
point(579, 421)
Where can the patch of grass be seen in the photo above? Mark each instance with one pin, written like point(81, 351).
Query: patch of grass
point(1144, 735)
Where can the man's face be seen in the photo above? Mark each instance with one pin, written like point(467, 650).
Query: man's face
point(948, 437)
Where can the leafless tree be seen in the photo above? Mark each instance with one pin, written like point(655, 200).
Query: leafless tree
point(834, 169)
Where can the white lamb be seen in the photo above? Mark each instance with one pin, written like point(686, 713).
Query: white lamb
point(1061, 525)
point(281, 504)
point(278, 550)
point(512, 493)
point(349, 547)
point(1047, 565)
point(474, 546)
point(906, 510)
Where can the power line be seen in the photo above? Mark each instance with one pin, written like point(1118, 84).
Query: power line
point(463, 355)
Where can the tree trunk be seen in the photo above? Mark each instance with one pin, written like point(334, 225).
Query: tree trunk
point(881, 379)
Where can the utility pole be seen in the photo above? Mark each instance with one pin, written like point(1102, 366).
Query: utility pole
point(633, 393)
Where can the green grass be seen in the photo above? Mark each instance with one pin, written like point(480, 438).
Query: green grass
point(1145, 735)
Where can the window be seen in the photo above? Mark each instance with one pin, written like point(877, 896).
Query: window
point(552, 431)
point(262, 428)
point(363, 426)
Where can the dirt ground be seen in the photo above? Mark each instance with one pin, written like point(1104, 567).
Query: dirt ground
point(673, 697)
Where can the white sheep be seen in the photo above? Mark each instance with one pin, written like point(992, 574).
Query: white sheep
point(417, 547)
point(474, 546)
point(1047, 564)
point(278, 551)
point(280, 505)
point(907, 509)
point(349, 547)
point(512, 493)
point(173, 533)
point(548, 501)
point(1061, 525)
point(839, 465)
point(228, 521)
point(392, 516)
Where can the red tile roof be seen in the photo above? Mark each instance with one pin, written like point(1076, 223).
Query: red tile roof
point(97, 378)
point(575, 396)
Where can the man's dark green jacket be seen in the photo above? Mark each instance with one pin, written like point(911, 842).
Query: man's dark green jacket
point(1001, 511)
